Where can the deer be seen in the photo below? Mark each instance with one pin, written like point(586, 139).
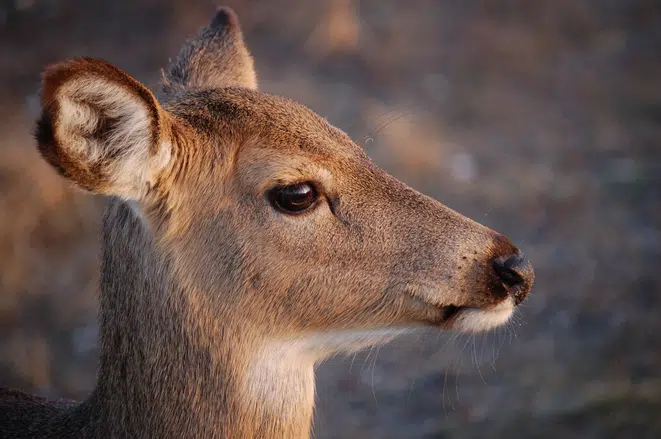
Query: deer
point(245, 240)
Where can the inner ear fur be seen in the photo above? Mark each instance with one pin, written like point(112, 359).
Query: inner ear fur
point(101, 128)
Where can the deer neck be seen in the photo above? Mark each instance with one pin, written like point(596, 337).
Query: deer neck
point(162, 374)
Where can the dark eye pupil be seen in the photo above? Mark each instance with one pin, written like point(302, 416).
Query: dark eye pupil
point(293, 198)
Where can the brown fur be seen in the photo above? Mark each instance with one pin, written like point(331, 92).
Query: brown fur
point(215, 306)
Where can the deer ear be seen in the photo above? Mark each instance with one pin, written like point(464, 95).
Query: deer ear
point(216, 57)
point(102, 129)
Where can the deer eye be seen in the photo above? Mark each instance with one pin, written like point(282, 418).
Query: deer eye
point(293, 198)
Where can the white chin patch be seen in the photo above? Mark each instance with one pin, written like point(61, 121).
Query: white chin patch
point(478, 320)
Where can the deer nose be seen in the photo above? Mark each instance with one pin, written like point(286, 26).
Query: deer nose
point(516, 274)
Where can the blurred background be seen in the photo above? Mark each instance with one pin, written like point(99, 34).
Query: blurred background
point(540, 119)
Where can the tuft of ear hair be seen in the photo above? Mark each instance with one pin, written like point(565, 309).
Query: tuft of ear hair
point(102, 129)
point(216, 58)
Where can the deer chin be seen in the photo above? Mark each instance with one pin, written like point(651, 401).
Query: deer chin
point(461, 317)
point(469, 319)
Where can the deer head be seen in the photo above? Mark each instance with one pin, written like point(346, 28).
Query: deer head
point(271, 223)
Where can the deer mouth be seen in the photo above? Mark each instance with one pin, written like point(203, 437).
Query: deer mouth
point(451, 311)
point(468, 318)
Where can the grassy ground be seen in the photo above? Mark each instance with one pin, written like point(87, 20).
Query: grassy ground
point(540, 119)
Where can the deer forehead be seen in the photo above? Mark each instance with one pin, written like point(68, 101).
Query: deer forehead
point(241, 120)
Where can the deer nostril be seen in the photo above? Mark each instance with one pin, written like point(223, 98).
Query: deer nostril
point(516, 273)
point(506, 269)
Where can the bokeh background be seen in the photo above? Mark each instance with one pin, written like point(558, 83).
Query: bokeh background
point(540, 118)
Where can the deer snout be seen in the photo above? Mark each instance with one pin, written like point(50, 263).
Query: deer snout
point(516, 274)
